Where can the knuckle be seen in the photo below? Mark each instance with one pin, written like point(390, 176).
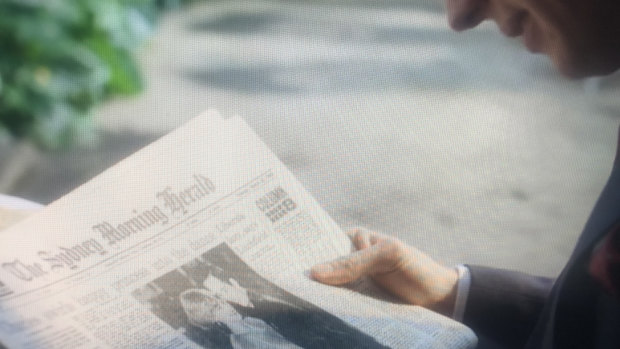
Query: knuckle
point(358, 237)
point(394, 254)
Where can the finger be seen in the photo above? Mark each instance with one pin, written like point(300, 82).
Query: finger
point(375, 238)
point(371, 237)
point(361, 240)
point(352, 232)
point(348, 268)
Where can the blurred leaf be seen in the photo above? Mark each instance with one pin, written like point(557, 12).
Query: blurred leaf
point(124, 75)
point(59, 58)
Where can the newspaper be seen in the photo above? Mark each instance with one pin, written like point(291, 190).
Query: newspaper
point(203, 239)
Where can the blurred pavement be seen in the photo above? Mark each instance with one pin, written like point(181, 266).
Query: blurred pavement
point(464, 145)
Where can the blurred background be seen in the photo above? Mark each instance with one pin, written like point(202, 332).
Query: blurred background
point(464, 145)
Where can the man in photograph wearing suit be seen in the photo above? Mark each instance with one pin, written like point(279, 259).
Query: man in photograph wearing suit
point(301, 325)
point(581, 307)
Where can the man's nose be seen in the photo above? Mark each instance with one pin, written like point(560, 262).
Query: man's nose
point(466, 14)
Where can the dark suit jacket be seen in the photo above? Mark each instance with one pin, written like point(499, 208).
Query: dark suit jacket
point(574, 311)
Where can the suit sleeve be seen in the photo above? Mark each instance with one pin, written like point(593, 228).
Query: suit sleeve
point(504, 305)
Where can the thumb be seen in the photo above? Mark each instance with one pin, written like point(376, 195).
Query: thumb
point(348, 268)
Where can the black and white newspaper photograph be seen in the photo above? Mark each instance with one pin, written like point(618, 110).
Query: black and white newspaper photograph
point(218, 301)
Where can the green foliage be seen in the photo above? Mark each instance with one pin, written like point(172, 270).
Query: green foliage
point(58, 58)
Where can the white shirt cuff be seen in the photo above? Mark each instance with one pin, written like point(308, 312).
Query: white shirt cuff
point(462, 292)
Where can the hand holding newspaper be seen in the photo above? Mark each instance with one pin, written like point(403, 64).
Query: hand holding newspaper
point(202, 239)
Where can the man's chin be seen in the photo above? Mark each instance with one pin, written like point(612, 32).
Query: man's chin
point(571, 71)
point(579, 66)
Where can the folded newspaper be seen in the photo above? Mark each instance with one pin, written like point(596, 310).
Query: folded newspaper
point(202, 239)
